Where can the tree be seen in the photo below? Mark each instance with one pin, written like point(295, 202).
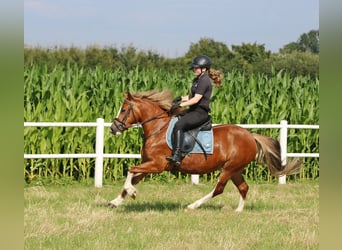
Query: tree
point(307, 42)
point(290, 47)
point(295, 63)
point(251, 53)
point(217, 51)
point(247, 56)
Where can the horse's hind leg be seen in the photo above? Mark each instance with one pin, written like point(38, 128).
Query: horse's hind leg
point(129, 189)
point(242, 186)
point(218, 189)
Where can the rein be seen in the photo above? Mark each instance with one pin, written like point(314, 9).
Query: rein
point(154, 118)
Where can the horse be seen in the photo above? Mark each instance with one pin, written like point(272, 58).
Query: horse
point(234, 148)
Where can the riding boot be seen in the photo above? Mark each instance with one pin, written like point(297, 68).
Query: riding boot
point(177, 157)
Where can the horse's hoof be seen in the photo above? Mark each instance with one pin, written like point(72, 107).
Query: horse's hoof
point(190, 207)
point(131, 191)
point(111, 205)
point(134, 195)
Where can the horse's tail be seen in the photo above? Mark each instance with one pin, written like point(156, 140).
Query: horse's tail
point(269, 154)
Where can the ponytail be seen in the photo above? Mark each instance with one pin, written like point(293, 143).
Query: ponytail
point(216, 76)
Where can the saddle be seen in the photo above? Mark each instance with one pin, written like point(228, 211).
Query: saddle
point(197, 140)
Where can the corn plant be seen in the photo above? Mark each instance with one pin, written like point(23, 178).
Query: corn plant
point(74, 94)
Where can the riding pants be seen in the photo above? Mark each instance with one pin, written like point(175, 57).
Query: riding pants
point(191, 119)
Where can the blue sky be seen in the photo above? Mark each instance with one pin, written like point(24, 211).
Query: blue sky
point(167, 27)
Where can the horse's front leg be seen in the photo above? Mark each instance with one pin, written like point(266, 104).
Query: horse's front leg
point(134, 175)
point(128, 189)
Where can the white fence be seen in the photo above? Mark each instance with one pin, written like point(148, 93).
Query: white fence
point(99, 154)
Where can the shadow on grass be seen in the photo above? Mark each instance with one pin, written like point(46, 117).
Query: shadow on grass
point(152, 206)
point(160, 207)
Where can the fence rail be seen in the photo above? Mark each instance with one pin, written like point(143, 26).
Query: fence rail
point(99, 154)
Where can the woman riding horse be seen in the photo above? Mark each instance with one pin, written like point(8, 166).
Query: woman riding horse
point(198, 100)
point(234, 148)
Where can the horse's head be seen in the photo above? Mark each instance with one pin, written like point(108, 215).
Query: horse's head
point(126, 116)
point(142, 108)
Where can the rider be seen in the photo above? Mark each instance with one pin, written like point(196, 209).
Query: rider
point(198, 101)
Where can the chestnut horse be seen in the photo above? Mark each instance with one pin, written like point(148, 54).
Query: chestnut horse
point(234, 148)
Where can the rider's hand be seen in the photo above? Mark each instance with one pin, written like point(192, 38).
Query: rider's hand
point(177, 99)
point(174, 107)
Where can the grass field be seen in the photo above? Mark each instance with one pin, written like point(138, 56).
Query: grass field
point(77, 217)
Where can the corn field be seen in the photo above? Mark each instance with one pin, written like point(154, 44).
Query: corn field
point(73, 94)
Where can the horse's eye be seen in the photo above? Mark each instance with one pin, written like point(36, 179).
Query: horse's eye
point(123, 110)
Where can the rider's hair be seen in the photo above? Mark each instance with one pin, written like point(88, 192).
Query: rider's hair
point(216, 76)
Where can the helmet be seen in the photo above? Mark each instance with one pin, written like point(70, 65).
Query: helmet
point(201, 62)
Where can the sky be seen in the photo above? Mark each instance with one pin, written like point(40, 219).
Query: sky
point(167, 27)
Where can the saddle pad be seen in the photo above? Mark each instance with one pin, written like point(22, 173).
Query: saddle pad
point(205, 137)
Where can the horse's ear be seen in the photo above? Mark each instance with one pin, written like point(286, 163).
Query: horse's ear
point(128, 96)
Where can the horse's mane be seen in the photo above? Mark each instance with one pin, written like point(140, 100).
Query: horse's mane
point(163, 98)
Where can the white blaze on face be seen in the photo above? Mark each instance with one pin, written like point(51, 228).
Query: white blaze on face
point(117, 116)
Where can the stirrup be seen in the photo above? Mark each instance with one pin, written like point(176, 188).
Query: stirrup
point(170, 158)
point(175, 167)
point(175, 164)
point(174, 159)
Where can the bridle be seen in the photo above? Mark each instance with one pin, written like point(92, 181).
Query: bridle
point(121, 126)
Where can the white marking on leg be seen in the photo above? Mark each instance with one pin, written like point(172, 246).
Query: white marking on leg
point(130, 189)
point(241, 205)
point(117, 201)
point(199, 202)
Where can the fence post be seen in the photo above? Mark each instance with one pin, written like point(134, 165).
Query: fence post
point(195, 179)
point(99, 152)
point(283, 148)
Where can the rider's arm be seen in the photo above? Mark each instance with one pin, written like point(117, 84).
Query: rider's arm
point(192, 101)
point(185, 98)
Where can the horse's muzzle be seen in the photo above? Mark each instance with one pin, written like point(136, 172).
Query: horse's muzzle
point(115, 130)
